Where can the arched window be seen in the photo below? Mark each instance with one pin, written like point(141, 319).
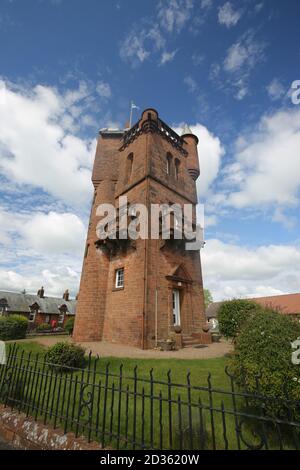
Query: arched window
point(177, 165)
point(169, 163)
point(129, 166)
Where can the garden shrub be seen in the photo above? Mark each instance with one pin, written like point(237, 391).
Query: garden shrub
point(232, 314)
point(43, 327)
point(263, 354)
point(69, 326)
point(13, 327)
point(65, 355)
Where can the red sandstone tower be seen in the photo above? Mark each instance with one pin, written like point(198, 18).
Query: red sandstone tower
point(144, 291)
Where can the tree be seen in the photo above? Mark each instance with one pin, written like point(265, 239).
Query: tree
point(208, 298)
point(232, 315)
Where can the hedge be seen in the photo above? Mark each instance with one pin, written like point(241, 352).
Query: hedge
point(263, 350)
point(13, 327)
point(64, 356)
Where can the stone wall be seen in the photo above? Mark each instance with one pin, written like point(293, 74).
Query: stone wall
point(24, 433)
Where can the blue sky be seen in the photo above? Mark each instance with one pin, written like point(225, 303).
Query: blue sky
point(226, 68)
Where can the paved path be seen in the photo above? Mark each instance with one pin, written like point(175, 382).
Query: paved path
point(118, 350)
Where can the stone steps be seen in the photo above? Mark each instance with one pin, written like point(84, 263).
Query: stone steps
point(190, 342)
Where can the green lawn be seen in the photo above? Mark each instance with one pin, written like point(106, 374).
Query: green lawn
point(139, 411)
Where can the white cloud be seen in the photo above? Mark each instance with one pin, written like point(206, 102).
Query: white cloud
point(191, 84)
point(228, 16)
point(276, 90)
point(231, 270)
point(141, 43)
point(210, 152)
point(103, 89)
point(206, 4)
point(241, 58)
point(258, 7)
point(237, 56)
point(151, 34)
point(266, 169)
point(174, 14)
point(167, 57)
point(54, 233)
point(198, 59)
point(246, 52)
point(43, 248)
point(55, 281)
point(37, 143)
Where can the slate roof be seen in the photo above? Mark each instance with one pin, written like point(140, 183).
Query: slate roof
point(212, 310)
point(48, 305)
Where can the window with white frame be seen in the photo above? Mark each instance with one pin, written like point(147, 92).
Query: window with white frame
point(61, 318)
point(34, 309)
point(119, 278)
point(32, 316)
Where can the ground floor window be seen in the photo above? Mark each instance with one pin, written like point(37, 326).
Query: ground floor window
point(32, 317)
point(176, 307)
point(61, 318)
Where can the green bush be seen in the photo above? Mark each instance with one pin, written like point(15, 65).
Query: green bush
point(69, 326)
point(263, 354)
point(232, 314)
point(65, 355)
point(13, 327)
point(43, 327)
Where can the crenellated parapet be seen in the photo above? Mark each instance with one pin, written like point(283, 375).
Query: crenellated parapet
point(151, 123)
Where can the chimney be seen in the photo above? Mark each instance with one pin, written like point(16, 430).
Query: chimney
point(66, 296)
point(41, 293)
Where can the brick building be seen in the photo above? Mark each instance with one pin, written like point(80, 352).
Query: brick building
point(137, 292)
point(287, 304)
point(38, 308)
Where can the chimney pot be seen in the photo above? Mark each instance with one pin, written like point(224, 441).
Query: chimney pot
point(41, 293)
point(66, 295)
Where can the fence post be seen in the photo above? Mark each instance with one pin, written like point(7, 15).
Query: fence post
point(119, 404)
point(170, 409)
point(211, 409)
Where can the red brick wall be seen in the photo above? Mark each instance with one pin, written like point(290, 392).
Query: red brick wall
point(128, 315)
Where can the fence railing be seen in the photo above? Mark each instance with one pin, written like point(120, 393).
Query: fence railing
point(134, 411)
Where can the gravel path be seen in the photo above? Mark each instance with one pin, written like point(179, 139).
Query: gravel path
point(118, 350)
point(5, 446)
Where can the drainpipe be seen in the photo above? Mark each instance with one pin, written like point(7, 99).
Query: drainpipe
point(156, 319)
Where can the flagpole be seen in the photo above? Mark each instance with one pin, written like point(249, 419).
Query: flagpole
point(130, 119)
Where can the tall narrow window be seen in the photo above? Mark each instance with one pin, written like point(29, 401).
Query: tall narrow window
point(119, 278)
point(169, 164)
point(129, 166)
point(177, 165)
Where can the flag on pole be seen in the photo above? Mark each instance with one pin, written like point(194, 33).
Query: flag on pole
point(132, 107)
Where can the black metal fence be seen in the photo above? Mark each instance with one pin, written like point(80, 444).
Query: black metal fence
point(143, 411)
